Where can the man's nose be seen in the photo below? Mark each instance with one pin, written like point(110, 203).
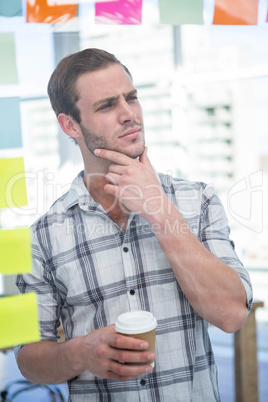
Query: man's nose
point(127, 113)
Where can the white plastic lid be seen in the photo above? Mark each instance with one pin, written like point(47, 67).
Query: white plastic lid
point(135, 322)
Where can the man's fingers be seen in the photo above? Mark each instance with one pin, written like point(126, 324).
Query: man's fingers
point(120, 341)
point(118, 169)
point(128, 356)
point(112, 190)
point(113, 156)
point(124, 352)
point(144, 158)
point(123, 372)
point(130, 370)
point(112, 178)
point(121, 159)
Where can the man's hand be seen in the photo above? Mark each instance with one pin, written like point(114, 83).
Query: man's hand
point(102, 352)
point(134, 184)
point(108, 354)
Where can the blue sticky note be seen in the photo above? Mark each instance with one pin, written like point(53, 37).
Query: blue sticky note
point(10, 123)
point(10, 8)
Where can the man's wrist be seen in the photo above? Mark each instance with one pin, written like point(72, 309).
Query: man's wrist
point(70, 355)
point(170, 223)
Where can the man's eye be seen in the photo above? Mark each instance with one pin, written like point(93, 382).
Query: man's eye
point(132, 98)
point(105, 106)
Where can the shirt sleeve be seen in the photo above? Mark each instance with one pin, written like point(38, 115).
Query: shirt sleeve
point(40, 281)
point(214, 234)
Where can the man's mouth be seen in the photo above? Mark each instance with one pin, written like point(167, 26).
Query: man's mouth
point(131, 133)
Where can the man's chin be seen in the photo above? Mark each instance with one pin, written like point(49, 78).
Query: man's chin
point(134, 153)
point(131, 153)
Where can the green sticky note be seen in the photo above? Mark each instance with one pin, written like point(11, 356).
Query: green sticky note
point(10, 123)
point(12, 183)
point(178, 12)
point(15, 255)
point(8, 67)
point(19, 320)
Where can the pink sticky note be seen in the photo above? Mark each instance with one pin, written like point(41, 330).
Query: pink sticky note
point(123, 12)
point(267, 17)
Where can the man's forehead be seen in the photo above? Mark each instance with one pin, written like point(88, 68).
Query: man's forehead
point(105, 83)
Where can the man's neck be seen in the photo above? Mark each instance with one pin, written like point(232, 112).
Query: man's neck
point(95, 185)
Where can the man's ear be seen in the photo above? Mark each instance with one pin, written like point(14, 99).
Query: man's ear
point(69, 125)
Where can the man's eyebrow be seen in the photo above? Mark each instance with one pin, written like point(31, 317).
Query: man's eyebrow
point(105, 100)
point(114, 98)
point(131, 93)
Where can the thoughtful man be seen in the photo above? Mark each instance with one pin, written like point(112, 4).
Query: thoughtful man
point(125, 238)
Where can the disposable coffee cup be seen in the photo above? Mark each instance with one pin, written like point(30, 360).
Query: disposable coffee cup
point(138, 324)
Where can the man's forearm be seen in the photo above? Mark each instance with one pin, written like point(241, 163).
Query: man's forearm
point(213, 289)
point(48, 362)
point(100, 352)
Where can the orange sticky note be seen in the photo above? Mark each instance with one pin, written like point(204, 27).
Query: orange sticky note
point(236, 12)
point(41, 11)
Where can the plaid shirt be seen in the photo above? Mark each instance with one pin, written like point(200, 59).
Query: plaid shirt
point(87, 271)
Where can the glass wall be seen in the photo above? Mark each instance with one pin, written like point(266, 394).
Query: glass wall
point(204, 94)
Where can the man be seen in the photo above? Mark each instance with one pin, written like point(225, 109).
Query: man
point(123, 239)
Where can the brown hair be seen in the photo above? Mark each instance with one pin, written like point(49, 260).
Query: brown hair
point(61, 86)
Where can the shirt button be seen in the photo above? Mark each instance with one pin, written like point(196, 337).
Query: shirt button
point(143, 382)
point(132, 292)
point(125, 249)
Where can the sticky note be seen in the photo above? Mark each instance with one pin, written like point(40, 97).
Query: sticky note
point(15, 255)
point(122, 12)
point(41, 11)
point(236, 12)
point(19, 320)
point(61, 2)
point(8, 67)
point(178, 12)
point(11, 8)
point(10, 123)
point(13, 191)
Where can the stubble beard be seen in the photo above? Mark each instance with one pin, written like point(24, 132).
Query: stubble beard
point(94, 141)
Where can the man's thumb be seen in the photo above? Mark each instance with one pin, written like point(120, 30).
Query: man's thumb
point(144, 158)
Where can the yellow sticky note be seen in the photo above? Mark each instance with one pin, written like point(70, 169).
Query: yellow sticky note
point(19, 320)
point(12, 183)
point(15, 254)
